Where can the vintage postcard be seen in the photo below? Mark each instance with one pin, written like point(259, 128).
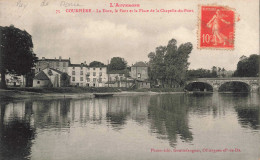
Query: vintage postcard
point(129, 80)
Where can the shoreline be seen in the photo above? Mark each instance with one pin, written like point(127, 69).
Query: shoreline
point(27, 94)
point(6, 94)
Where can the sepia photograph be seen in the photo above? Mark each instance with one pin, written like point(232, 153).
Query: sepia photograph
point(129, 80)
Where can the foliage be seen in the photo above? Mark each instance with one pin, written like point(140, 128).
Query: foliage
point(29, 79)
point(117, 63)
point(96, 64)
point(214, 71)
point(218, 72)
point(205, 73)
point(17, 56)
point(67, 89)
point(200, 73)
point(199, 86)
point(65, 80)
point(168, 64)
point(248, 66)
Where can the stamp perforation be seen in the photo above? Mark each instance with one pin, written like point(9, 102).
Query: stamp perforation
point(200, 27)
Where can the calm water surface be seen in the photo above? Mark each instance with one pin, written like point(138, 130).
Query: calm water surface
point(132, 127)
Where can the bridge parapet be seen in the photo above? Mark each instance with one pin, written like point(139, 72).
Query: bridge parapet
point(252, 82)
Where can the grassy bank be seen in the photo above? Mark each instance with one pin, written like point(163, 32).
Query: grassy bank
point(66, 89)
point(91, 89)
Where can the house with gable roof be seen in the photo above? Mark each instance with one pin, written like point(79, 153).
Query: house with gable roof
point(48, 77)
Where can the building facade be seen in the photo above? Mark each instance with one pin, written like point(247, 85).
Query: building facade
point(58, 64)
point(14, 80)
point(139, 71)
point(83, 75)
point(86, 76)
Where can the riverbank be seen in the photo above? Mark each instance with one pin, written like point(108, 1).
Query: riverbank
point(65, 89)
point(77, 92)
point(91, 89)
point(6, 95)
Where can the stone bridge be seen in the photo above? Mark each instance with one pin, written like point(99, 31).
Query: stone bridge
point(215, 83)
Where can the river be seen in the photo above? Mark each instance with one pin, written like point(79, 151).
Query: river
point(167, 126)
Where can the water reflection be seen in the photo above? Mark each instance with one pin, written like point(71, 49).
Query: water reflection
point(51, 114)
point(16, 135)
point(121, 109)
point(169, 118)
point(249, 116)
point(166, 117)
point(247, 108)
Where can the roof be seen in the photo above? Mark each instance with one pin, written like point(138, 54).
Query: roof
point(41, 76)
point(56, 70)
point(140, 64)
point(78, 65)
point(58, 60)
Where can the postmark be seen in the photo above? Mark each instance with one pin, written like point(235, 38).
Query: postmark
point(216, 27)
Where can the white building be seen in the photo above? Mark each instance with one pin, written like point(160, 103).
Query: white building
point(83, 75)
point(14, 80)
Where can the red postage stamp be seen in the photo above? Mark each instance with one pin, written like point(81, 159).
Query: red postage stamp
point(216, 27)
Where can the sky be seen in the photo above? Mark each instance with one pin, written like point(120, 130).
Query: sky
point(132, 36)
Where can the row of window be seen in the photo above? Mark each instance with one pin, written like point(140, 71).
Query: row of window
point(88, 73)
point(81, 67)
point(58, 64)
point(88, 79)
point(64, 64)
point(100, 74)
point(100, 79)
point(87, 84)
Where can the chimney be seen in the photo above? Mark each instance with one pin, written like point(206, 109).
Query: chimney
point(85, 62)
point(60, 58)
point(43, 58)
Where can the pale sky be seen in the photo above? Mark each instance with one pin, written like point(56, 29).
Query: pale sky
point(101, 36)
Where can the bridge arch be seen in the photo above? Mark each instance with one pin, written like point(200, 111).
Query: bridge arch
point(252, 83)
point(199, 86)
point(234, 86)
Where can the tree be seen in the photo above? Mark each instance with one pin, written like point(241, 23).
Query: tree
point(16, 54)
point(157, 65)
point(117, 63)
point(219, 69)
point(96, 64)
point(169, 64)
point(198, 73)
point(65, 80)
point(248, 66)
point(223, 74)
point(177, 62)
point(214, 72)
